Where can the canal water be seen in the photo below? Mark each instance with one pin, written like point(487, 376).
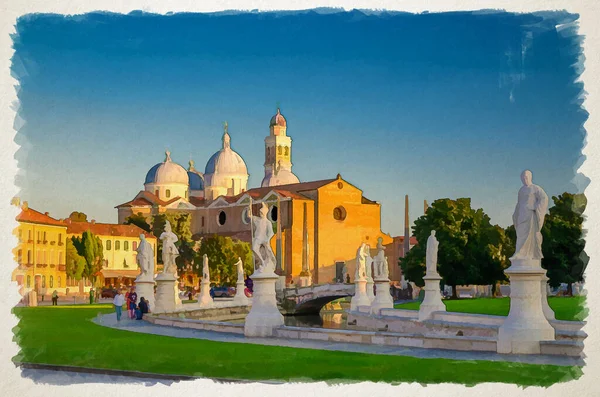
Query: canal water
point(331, 320)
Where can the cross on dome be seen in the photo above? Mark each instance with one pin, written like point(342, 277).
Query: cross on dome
point(226, 137)
point(168, 155)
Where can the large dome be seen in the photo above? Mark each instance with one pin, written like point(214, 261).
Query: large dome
point(196, 178)
point(167, 172)
point(226, 161)
point(283, 177)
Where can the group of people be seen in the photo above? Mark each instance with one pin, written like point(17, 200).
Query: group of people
point(135, 310)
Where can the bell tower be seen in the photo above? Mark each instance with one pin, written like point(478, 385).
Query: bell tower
point(278, 154)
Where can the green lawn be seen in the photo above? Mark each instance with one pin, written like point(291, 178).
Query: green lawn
point(565, 308)
point(64, 335)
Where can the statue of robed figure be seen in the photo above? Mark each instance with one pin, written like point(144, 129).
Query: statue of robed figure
point(169, 250)
point(145, 259)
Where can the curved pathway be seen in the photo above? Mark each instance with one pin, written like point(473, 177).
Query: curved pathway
point(110, 320)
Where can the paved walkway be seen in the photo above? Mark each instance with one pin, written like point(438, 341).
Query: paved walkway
point(110, 320)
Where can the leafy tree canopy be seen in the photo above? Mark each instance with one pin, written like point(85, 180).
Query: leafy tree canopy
point(139, 220)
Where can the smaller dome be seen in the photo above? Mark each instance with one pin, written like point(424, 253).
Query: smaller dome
point(226, 160)
point(278, 119)
point(196, 178)
point(167, 172)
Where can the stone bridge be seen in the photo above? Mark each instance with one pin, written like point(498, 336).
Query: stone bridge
point(310, 300)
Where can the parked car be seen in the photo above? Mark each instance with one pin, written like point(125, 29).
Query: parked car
point(108, 293)
point(222, 292)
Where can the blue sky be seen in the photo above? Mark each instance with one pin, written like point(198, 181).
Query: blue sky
point(431, 105)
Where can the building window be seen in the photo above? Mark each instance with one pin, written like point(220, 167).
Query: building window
point(126, 245)
point(29, 257)
point(156, 192)
point(168, 193)
point(51, 281)
point(28, 281)
point(134, 246)
point(222, 218)
point(339, 213)
point(202, 221)
point(245, 216)
point(279, 150)
point(108, 245)
point(59, 238)
point(273, 213)
point(117, 245)
point(340, 185)
point(287, 151)
point(43, 281)
point(29, 235)
point(20, 256)
point(20, 235)
point(45, 237)
point(59, 282)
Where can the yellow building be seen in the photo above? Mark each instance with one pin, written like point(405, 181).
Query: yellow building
point(119, 244)
point(40, 253)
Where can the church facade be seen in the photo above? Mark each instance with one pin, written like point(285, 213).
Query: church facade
point(320, 224)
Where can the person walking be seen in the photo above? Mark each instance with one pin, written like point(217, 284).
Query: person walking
point(118, 302)
point(55, 298)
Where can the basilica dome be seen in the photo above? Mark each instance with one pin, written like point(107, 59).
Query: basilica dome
point(283, 177)
point(167, 172)
point(196, 178)
point(226, 161)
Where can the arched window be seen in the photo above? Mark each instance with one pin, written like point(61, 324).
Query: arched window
point(134, 246)
point(280, 150)
point(28, 281)
point(51, 281)
point(273, 213)
point(222, 218)
point(45, 237)
point(29, 257)
point(43, 281)
point(202, 221)
point(168, 193)
point(126, 245)
point(59, 238)
point(117, 245)
point(108, 245)
point(287, 151)
point(245, 216)
point(59, 282)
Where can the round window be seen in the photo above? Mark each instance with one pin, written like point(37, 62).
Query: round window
point(340, 185)
point(222, 218)
point(339, 213)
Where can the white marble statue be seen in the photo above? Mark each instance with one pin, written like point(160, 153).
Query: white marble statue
point(380, 261)
point(361, 262)
point(432, 253)
point(240, 269)
point(262, 233)
point(205, 272)
point(169, 251)
point(145, 259)
point(369, 263)
point(528, 219)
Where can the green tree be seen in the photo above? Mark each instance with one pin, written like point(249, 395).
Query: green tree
point(470, 248)
point(223, 253)
point(563, 243)
point(90, 248)
point(74, 263)
point(138, 220)
point(78, 216)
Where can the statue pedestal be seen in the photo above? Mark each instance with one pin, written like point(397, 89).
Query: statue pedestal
point(360, 297)
point(264, 314)
point(240, 297)
point(205, 301)
point(32, 300)
point(166, 299)
point(370, 291)
point(305, 279)
point(383, 299)
point(145, 289)
point(526, 324)
point(432, 301)
point(280, 283)
point(548, 312)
